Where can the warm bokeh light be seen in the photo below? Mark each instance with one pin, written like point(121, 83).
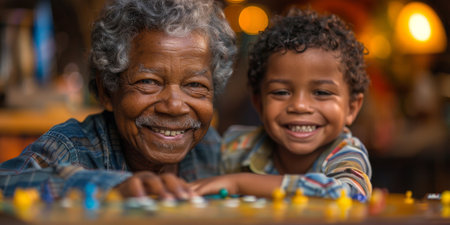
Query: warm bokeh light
point(379, 46)
point(419, 30)
point(393, 9)
point(419, 27)
point(253, 19)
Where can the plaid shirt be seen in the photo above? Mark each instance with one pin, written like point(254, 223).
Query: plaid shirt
point(343, 165)
point(73, 153)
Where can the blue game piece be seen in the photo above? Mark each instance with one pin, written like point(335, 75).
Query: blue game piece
point(223, 192)
point(91, 204)
point(46, 194)
point(90, 190)
point(359, 197)
point(90, 201)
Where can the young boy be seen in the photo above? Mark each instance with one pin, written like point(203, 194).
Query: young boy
point(308, 79)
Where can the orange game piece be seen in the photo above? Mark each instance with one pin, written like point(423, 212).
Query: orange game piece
point(113, 196)
point(377, 201)
point(278, 195)
point(409, 199)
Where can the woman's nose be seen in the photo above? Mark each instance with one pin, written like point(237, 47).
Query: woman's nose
point(172, 101)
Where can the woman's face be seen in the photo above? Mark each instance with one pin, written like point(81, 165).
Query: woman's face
point(164, 103)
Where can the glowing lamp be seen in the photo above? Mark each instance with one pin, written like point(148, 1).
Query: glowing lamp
point(419, 30)
point(253, 19)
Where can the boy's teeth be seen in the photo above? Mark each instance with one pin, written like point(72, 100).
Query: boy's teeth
point(308, 128)
point(168, 132)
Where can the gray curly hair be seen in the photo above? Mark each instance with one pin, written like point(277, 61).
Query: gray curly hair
point(122, 20)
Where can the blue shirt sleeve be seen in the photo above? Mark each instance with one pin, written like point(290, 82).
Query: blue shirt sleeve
point(54, 162)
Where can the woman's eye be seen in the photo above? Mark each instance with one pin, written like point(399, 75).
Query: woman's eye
point(197, 89)
point(196, 85)
point(147, 81)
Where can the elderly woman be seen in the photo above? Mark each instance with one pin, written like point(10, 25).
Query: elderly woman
point(156, 67)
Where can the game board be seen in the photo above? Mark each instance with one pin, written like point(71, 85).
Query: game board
point(382, 208)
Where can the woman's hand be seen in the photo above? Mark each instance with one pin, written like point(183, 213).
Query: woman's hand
point(165, 186)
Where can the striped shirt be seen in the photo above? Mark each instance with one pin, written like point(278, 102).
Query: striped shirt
point(73, 153)
point(343, 165)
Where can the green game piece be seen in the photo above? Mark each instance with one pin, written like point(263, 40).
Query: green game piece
point(223, 193)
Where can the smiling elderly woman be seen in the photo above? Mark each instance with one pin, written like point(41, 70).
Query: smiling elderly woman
point(155, 67)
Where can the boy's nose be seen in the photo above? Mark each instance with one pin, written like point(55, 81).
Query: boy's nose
point(299, 104)
point(172, 102)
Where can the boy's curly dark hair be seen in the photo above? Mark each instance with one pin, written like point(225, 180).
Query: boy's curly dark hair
point(303, 29)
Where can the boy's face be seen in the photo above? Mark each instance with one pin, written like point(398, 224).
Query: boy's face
point(304, 101)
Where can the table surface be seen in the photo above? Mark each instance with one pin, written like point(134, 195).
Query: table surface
point(391, 210)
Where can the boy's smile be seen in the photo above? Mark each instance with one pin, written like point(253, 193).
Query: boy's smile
point(304, 101)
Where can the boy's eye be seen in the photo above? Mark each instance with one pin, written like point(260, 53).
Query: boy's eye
point(322, 93)
point(280, 92)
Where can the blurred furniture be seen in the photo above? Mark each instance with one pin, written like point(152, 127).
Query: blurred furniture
point(20, 127)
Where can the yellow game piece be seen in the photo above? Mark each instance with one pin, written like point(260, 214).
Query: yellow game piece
point(299, 198)
point(344, 202)
point(33, 194)
point(445, 213)
point(22, 199)
point(113, 196)
point(331, 212)
point(278, 201)
point(278, 194)
point(408, 198)
point(445, 198)
point(22, 202)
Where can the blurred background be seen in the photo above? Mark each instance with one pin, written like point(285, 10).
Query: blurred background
point(404, 122)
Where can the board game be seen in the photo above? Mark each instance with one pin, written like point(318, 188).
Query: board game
point(381, 208)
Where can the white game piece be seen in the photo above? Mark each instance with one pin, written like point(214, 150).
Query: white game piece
point(249, 198)
point(232, 203)
point(170, 203)
point(259, 203)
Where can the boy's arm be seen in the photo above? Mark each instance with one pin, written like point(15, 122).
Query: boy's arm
point(347, 167)
point(239, 183)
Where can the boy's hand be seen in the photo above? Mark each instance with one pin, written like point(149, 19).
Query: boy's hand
point(238, 183)
point(212, 185)
point(165, 186)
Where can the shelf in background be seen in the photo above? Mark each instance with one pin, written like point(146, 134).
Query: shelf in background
point(36, 121)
